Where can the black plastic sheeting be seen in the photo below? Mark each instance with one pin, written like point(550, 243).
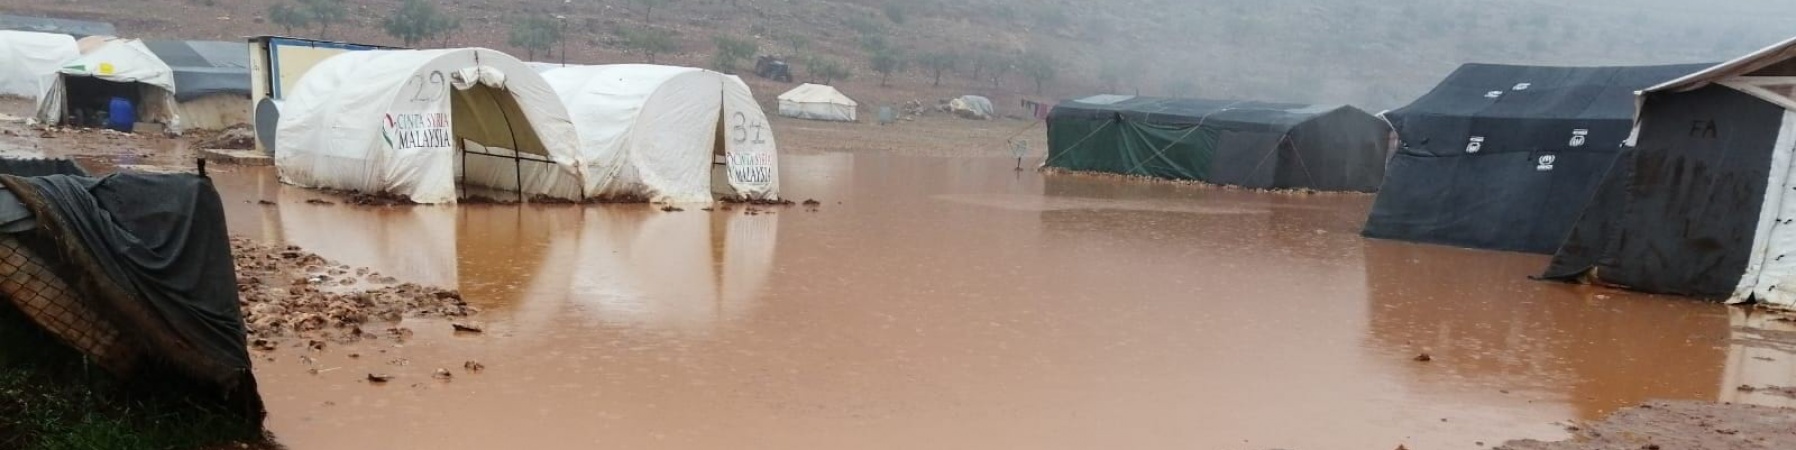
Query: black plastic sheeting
point(1678, 213)
point(154, 256)
point(205, 67)
point(1546, 136)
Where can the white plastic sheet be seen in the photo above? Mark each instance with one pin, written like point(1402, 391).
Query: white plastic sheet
point(28, 60)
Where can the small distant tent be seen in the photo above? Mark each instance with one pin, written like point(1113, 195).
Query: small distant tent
point(1237, 143)
point(1704, 203)
point(413, 123)
point(973, 107)
point(654, 133)
point(120, 68)
point(28, 60)
point(817, 102)
point(211, 81)
point(1503, 157)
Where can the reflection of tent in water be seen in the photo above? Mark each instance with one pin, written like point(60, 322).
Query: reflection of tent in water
point(655, 133)
point(86, 88)
point(28, 60)
point(674, 272)
point(1249, 144)
point(1502, 157)
point(1759, 355)
point(133, 270)
point(1702, 203)
point(1485, 323)
point(414, 245)
point(415, 123)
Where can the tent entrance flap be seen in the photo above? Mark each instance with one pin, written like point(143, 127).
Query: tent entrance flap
point(494, 141)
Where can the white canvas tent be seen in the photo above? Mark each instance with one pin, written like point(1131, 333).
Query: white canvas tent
point(27, 61)
point(414, 122)
point(654, 133)
point(817, 102)
point(120, 66)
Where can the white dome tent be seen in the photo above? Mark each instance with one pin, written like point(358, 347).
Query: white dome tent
point(28, 60)
point(414, 122)
point(817, 102)
point(119, 67)
point(654, 133)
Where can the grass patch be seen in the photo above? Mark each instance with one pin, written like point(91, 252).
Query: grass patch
point(51, 398)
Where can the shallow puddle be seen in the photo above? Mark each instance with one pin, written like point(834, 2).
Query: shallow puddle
point(957, 303)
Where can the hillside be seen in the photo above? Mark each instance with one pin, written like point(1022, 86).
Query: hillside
point(1375, 54)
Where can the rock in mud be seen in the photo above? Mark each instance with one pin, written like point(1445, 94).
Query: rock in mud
point(473, 366)
point(442, 374)
point(265, 203)
point(379, 378)
point(671, 208)
point(812, 203)
point(1424, 358)
point(469, 327)
point(314, 201)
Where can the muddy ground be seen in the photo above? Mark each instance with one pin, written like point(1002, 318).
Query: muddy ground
point(1679, 426)
point(932, 290)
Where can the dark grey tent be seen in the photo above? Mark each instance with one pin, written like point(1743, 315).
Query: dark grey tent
point(1503, 157)
point(1704, 203)
point(205, 67)
point(1249, 144)
point(133, 270)
point(77, 28)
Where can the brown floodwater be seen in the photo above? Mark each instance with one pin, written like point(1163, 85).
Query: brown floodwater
point(957, 304)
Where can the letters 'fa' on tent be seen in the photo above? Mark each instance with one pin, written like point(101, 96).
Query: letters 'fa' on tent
point(655, 133)
point(28, 60)
point(211, 81)
point(1704, 203)
point(121, 68)
point(817, 102)
point(414, 123)
point(1502, 157)
point(1248, 144)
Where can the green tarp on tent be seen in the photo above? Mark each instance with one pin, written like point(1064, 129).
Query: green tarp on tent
point(1249, 144)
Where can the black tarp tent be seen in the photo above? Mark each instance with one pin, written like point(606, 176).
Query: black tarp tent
point(205, 67)
point(1238, 143)
point(1503, 157)
point(133, 270)
point(1704, 203)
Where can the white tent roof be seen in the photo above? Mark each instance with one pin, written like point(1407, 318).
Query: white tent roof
point(27, 60)
point(119, 61)
point(123, 61)
point(650, 132)
point(817, 102)
point(400, 121)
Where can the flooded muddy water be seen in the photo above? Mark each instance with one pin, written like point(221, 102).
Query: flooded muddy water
point(958, 304)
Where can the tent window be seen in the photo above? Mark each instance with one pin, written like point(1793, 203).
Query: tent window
point(88, 98)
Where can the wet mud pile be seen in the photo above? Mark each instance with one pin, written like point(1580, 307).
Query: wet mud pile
point(287, 292)
point(1680, 425)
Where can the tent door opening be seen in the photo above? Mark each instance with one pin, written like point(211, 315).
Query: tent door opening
point(87, 101)
point(496, 149)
